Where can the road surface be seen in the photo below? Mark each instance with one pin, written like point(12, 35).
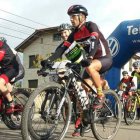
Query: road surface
point(125, 133)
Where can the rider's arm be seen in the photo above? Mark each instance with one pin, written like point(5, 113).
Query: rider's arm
point(94, 38)
point(120, 85)
point(61, 49)
point(57, 53)
point(21, 72)
point(133, 73)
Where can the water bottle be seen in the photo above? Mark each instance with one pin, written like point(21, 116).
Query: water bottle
point(83, 97)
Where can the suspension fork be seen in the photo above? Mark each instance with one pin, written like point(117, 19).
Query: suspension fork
point(44, 103)
point(61, 102)
point(44, 113)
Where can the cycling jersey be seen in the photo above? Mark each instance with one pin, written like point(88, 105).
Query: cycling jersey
point(128, 83)
point(8, 62)
point(6, 55)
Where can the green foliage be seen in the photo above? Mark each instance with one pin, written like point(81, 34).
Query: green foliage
point(38, 59)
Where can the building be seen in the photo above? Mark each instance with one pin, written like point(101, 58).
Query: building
point(40, 44)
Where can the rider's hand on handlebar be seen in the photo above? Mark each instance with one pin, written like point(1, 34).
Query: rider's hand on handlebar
point(86, 62)
point(42, 72)
point(46, 64)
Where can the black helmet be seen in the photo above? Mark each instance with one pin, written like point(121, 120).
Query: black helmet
point(64, 26)
point(3, 39)
point(136, 64)
point(124, 72)
point(76, 9)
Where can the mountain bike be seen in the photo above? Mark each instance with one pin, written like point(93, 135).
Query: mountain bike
point(42, 120)
point(130, 112)
point(20, 97)
point(76, 108)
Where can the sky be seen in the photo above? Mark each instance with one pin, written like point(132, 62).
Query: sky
point(107, 14)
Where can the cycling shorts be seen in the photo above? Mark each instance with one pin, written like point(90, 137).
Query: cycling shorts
point(106, 65)
point(8, 74)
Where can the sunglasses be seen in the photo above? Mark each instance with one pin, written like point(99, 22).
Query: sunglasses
point(74, 15)
point(125, 75)
point(135, 68)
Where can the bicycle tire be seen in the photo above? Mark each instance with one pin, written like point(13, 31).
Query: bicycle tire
point(102, 118)
point(27, 130)
point(130, 112)
point(13, 121)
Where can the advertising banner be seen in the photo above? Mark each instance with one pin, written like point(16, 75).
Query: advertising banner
point(124, 42)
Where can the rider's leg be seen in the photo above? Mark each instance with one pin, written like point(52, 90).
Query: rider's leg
point(6, 88)
point(104, 84)
point(93, 71)
point(77, 127)
point(83, 114)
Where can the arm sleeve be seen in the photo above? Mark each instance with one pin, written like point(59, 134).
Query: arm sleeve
point(21, 72)
point(58, 53)
point(94, 37)
point(133, 73)
point(62, 48)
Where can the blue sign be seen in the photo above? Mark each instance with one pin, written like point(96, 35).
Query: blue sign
point(124, 42)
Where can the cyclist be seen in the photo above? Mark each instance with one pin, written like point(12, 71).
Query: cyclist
point(126, 84)
point(89, 36)
point(10, 68)
point(136, 72)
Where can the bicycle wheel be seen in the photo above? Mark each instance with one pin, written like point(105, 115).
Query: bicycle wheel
point(39, 117)
point(106, 122)
point(130, 110)
point(20, 97)
point(116, 109)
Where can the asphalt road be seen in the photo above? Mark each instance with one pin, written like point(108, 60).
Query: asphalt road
point(125, 133)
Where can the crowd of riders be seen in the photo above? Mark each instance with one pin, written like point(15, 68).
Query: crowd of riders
point(128, 85)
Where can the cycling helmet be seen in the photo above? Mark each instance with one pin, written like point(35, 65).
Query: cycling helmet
point(76, 9)
point(136, 64)
point(3, 39)
point(124, 72)
point(64, 26)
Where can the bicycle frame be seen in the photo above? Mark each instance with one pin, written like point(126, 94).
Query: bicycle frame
point(137, 101)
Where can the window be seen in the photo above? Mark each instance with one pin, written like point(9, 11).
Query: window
point(33, 83)
point(31, 61)
point(56, 37)
point(41, 40)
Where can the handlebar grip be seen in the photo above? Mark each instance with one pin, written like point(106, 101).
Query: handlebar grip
point(43, 73)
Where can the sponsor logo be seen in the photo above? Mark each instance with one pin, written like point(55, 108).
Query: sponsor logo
point(113, 45)
point(133, 30)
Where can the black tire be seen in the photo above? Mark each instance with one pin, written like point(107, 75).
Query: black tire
point(106, 122)
point(130, 110)
point(116, 109)
point(13, 121)
point(28, 131)
point(87, 128)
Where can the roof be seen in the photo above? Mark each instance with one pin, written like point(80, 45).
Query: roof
point(33, 37)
